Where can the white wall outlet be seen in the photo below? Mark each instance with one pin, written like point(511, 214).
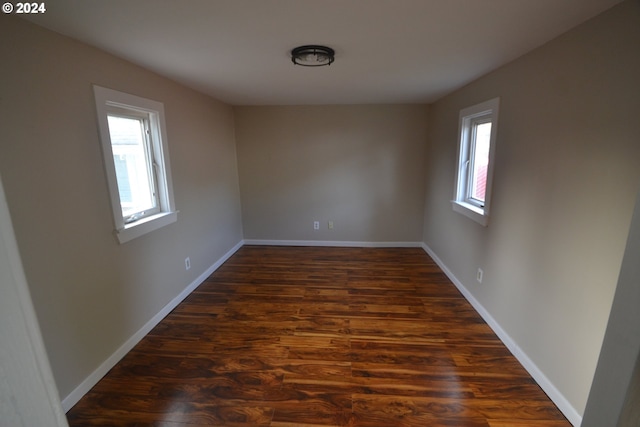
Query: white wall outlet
point(187, 263)
point(479, 275)
point(316, 225)
point(330, 225)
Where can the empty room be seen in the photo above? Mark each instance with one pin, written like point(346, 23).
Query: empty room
point(320, 213)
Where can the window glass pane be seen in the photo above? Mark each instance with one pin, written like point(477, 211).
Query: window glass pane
point(133, 171)
point(482, 133)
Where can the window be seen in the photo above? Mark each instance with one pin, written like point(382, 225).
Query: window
point(478, 125)
point(134, 145)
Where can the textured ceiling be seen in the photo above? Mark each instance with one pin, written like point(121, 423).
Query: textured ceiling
point(387, 51)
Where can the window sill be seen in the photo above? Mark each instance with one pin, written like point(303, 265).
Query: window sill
point(146, 225)
point(470, 211)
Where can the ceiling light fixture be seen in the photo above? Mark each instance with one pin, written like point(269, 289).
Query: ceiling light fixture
point(312, 56)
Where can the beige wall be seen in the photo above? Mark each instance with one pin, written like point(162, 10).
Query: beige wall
point(614, 399)
point(567, 171)
point(566, 175)
point(359, 166)
point(90, 293)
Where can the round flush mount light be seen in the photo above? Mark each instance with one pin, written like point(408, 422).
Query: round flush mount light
point(312, 56)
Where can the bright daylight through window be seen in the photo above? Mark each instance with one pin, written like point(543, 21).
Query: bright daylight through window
point(135, 165)
point(136, 160)
point(477, 132)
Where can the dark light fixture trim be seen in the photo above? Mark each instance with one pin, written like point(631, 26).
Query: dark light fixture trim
point(312, 56)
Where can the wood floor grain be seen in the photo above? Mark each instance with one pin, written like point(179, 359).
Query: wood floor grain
point(299, 336)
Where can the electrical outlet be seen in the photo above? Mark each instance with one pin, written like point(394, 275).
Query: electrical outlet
point(187, 263)
point(479, 275)
point(316, 225)
point(330, 225)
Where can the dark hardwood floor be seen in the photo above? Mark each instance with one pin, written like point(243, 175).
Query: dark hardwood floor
point(298, 336)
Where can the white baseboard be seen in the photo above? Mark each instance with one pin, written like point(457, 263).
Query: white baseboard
point(334, 243)
point(554, 394)
point(86, 385)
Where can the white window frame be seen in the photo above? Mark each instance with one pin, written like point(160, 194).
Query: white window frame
point(462, 201)
point(151, 163)
point(108, 101)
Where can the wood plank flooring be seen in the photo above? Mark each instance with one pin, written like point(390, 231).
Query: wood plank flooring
point(299, 336)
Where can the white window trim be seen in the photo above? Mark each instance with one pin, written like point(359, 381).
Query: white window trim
point(487, 109)
point(106, 98)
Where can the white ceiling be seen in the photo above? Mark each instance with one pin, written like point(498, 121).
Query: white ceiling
point(387, 51)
